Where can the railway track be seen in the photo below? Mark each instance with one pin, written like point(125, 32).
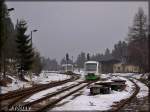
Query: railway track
point(119, 106)
point(51, 99)
point(8, 99)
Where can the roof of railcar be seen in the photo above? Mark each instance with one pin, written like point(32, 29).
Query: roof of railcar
point(66, 65)
point(91, 62)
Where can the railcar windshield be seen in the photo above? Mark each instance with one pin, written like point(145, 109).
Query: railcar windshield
point(69, 67)
point(90, 66)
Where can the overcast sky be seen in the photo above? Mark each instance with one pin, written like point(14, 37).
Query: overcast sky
point(76, 26)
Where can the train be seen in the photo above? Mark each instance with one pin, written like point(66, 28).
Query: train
point(66, 68)
point(92, 70)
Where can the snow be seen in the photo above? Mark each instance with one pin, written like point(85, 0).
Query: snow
point(143, 89)
point(137, 76)
point(70, 90)
point(105, 76)
point(77, 71)
point(43, 78)
point(47, 91)
point(96, 102)
point(83, 101)
point(124, 74)
point(16, 84)
point(47, 77)
point(134, 75)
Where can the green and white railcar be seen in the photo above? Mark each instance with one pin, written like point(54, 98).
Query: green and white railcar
point(92, 70)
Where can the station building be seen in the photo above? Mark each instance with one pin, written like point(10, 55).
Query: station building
point(109, 64)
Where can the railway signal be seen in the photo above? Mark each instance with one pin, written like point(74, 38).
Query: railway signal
point(67, 59)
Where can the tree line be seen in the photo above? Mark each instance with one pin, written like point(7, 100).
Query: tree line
point(17, 55)
point(133, 50)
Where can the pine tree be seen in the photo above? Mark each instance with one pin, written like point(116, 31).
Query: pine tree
point(139, 29)
point(24, 49)
point(81, 59)
point(107, 52)
point(7, 43)
point(3, 14)
point(64, 61)
point(88, 56)
point(67, 57)
point(37, 63)
point(120, 50)
point(138, 41)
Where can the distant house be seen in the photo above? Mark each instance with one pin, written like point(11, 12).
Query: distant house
point(121, 67)
point(107, 63)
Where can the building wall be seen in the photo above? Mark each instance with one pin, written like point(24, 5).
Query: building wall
point(132, 68)
point(107, 68)
point(118, 68)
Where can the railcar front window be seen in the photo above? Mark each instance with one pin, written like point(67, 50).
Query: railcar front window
point(69, 67)
point(90, 67)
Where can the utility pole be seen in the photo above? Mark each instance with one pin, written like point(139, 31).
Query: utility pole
point(72, 64)
point(31, 47)
point(31, 35)
point(67, 59)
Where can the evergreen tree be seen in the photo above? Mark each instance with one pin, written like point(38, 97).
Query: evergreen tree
point(63, 61)
point(81, 59)
point(88, 56)
point(7, 40)
point(54, 65)
point(37, 63)
point(96, 57)
point(67, 57)
point(24, 49)
point(120, 50)
point(49, 64)
point(3, 14)
point(138, 41)
point(139, 30)
point(107, 52)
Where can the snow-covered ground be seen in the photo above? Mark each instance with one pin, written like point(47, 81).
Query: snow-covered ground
point(82, 100)
point(16, 84)
point(102, 102)
point(134, 75)
point(143, 89)
point(48, 91)
point(43, 78)
point(96, 102)
point(47, 77)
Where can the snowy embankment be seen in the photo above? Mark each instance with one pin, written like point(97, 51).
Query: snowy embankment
point(133, 75)
point(143, 89)
point(43, 78)
point(16, 84)
point(101, 102)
